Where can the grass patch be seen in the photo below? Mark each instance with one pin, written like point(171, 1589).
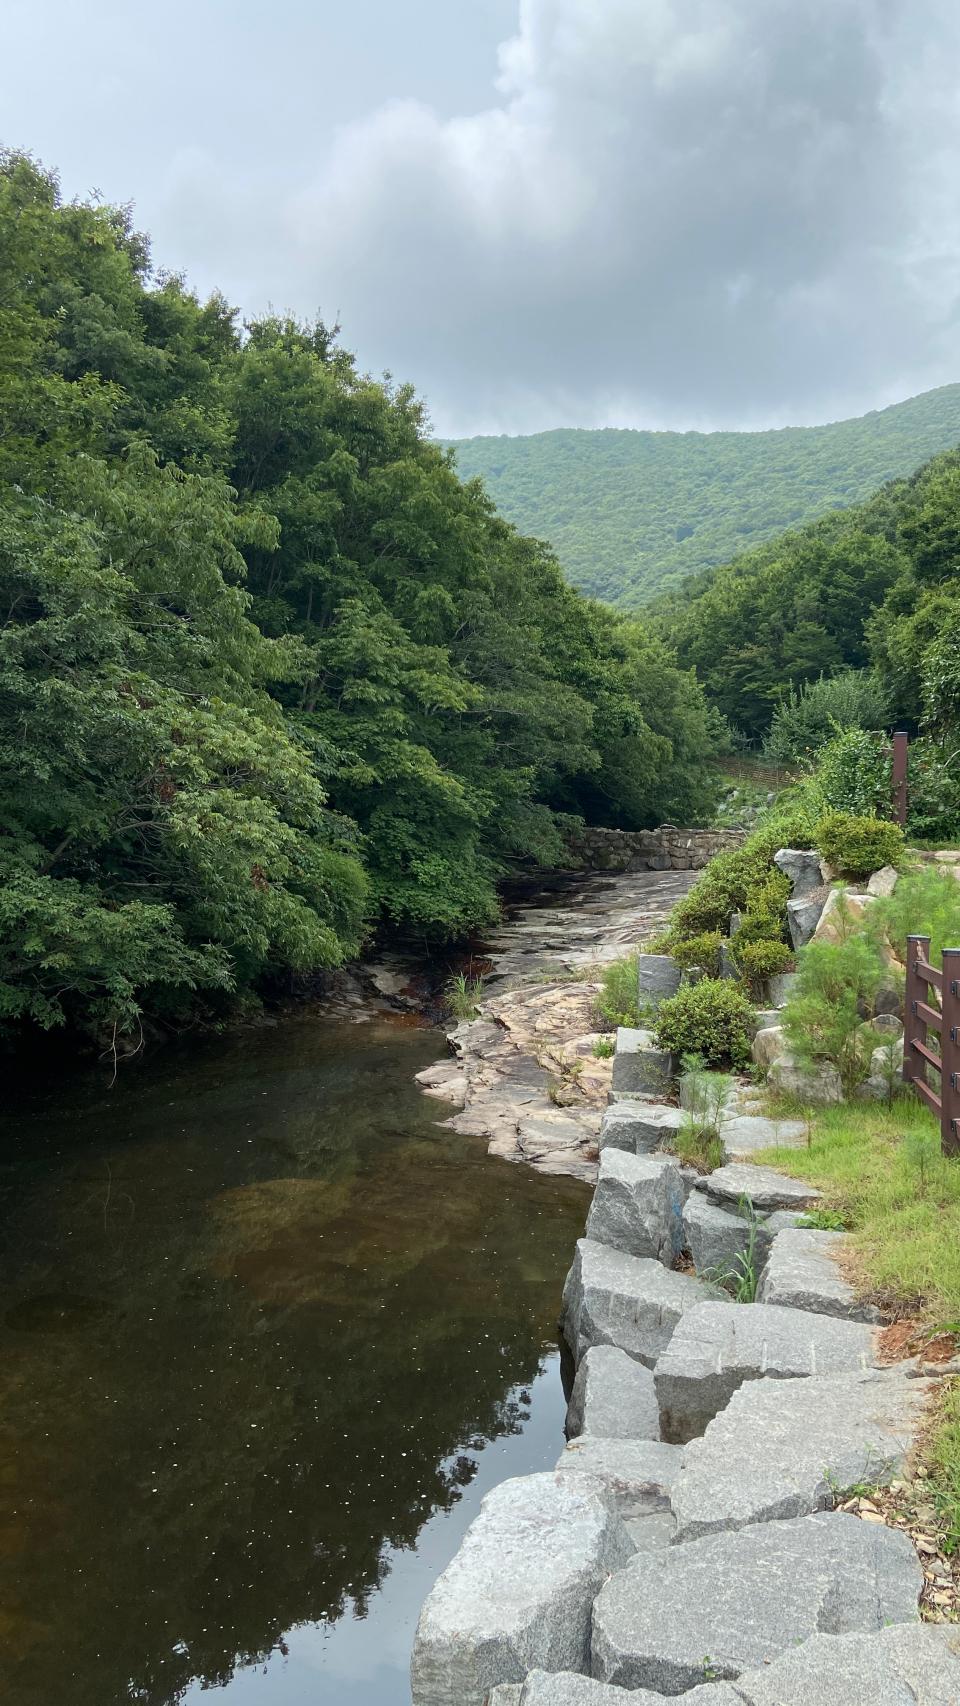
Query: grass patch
point(461, 996)
point(618, 1000)
point(881, 1170)
point(944, 1464)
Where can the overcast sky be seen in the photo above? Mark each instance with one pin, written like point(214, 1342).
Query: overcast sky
point(542, 212)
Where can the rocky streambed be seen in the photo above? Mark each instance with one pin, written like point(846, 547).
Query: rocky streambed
point(523, 1073)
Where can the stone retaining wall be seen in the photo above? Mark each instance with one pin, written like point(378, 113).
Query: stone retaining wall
point(663, 849)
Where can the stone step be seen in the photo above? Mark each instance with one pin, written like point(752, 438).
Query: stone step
point(639, 1126)
point(784, 1449)
point(715, 1347)
point(613, 1299)
point(733, 1602)
point(911, 1664)
point(639, 1066)
point(638, 1474)
point(717, 1238)
point(764, 1187)
point(802, 1273)
point(637, 1206)
point(745, 1134)
point(613, 1397)
point(518, 1593)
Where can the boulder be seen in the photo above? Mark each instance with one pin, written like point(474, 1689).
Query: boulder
point(636, 1473)
point(763, 1187)
point(637, 1206)
point(883, 882)
point(745, 1133)
point(802, 1273)
point(639, 1127)
point(768, 1045)
point(518, 1593)
point(910, 1664)
point(818, 1084)
point(842, 914)
point(716, 1238)
point(715, 1347)
point(886, 1071)
point(627, 1301)
point(542, 1689)
point(803, 916)
point(778, 1222)
point(613, 1397)
point(784, 1449)
point(803, 869)
point(889, 999)
point(734, 1602)
point(658, 976)
point(639, 1067)
point(781, 987)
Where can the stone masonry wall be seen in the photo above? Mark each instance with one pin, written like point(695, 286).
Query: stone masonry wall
point(663, 849)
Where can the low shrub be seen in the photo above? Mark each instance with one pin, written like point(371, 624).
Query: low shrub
point(856, 846)
point(701, 950)
point(703, 1095)
point(837, 983)
point(713, 1019)
point(759, 960)
point(810, 716)
point(617, 1002)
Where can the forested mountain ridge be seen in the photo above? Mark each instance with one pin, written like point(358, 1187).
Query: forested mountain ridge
point(631, 514)
point(270, 673)
point(874, 588)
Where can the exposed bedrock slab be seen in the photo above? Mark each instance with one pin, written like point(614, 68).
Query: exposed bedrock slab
point(717, 1346)
point(639, 1067)
point(628, 1301)
point(519, 1591)
point(910, 1664)
point(613, 1397)
point(637, 1206)
point(784, 1449)
point(802, 1273)
point(736, 1601)
point(542, 1689)
point(746, 1133)
point(639, 1127)
point(716, 1237)
point(638, 1474)
point(764, 1187)
point(658, 976)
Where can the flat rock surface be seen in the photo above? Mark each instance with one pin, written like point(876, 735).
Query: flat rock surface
point(627, 1301)
point(537, 1014)
point(763, 1186)
point(637, 1206)
point(519, 1591)
point(715, 1347)
point(613, 1397)
point(911, 1664)
point(802, 1273)
point(638, 1473)
point(784, 1449)
point(737, 1601)
point(745, 1134)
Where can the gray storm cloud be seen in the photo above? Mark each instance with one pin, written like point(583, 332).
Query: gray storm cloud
point(672, 212)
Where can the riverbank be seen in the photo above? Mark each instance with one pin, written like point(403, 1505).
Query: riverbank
point(524, 1074)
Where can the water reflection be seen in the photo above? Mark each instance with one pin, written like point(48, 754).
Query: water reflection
point(260, 1317)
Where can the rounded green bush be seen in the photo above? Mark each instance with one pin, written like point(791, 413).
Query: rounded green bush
point(701, 950)
point(855, 846)
point(758, 959)
point(713, 1018)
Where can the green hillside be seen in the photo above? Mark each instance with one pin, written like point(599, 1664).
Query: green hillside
point(632, 513)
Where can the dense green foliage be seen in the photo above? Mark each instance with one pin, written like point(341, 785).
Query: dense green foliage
point(268, 670)
point(631, 514)
point(837, 983)
point(871, 587)
point(856, 846)
point(712, 1018)
point(925, 902)
point(809, 716)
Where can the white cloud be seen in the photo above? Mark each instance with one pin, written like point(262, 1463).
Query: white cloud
point(672, 212)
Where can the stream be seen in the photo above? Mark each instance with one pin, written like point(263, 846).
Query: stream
point(267, 1334)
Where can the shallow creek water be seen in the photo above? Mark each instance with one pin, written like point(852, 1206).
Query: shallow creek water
point(267, 1332)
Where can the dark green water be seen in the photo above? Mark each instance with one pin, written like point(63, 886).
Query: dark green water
point(266, 1332)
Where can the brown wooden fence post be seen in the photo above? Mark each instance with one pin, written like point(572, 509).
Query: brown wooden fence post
point(950, 1053)
point(914, 1029)
point(901, 741)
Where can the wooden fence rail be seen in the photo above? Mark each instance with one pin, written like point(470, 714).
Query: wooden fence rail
point(933, 1005)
